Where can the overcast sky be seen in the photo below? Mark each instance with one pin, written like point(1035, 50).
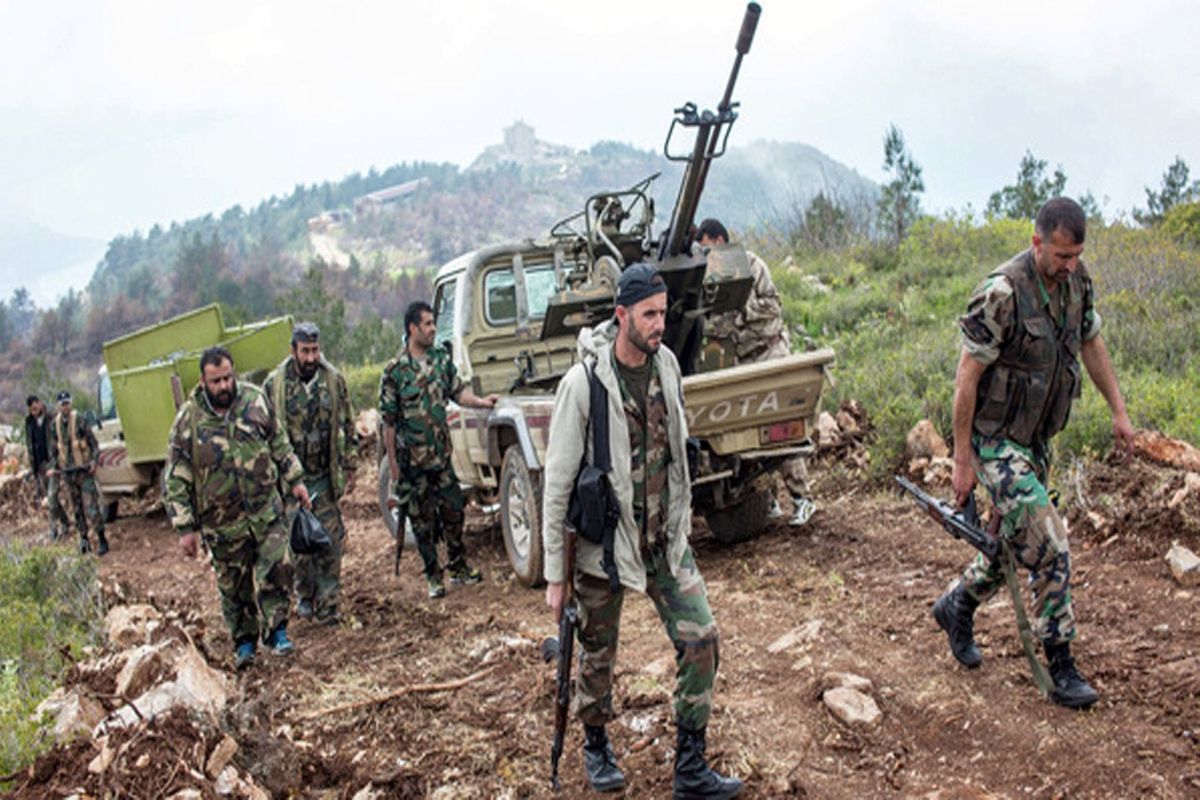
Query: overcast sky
point(118, 115)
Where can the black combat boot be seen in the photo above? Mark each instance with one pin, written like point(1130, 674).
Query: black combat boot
point(1070, 689)
point(85, 546)
point(601, 763)
point(955, 613)
point(103, 546)
point(694, 779)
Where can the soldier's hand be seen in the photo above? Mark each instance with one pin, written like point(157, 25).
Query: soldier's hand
point(300, 492)
point(91, 468)
point(188, 544)
point(394, 466)
point(51, 473)
point(554, 599)
point(963, 481)
point(490, 400)
point(1123, 435)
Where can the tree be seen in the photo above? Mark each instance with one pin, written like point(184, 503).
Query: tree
point(1022, 199)
point(311, 301)
point(899, 205)
point(1175, 190)
point(6, 327)
point(22, 313)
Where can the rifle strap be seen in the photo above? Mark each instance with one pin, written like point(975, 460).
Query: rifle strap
point(197, 477)
point(1008, 565)
point(602, 460)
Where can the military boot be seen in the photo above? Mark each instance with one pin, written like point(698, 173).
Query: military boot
point(955, 613)
point(1070, 689)
point(85, 546)
point(694, 779)
point(601, 763)
point(103, 546)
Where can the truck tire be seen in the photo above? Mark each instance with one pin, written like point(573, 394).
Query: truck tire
point(391, 516)
point(742, 521)
point(521, 515)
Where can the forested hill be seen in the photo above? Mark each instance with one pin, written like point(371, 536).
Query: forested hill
point(251, 259)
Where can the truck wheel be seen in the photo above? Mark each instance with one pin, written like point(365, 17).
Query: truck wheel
point(742, 521)
point(520, 516)
point(391, 515)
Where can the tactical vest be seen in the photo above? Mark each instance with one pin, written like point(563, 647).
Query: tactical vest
point(1026, 394)
point(650, 448)
point(69, 443)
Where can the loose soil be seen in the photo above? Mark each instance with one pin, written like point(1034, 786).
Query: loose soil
point(862, 576)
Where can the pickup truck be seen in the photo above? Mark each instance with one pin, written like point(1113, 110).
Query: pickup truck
point(490, 306)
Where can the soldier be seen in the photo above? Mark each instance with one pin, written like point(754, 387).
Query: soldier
point(311, 400)
point(227, 458)
point(648, 434)
point(413, 392)
point(73, 453)
point(1025, 328)
point(36, 431)
point(756, 333)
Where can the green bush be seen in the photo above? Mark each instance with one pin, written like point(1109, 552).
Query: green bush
point(49, 603)
point(363, 383)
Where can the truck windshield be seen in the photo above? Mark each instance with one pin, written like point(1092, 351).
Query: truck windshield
point(443, 311)
point(104, 398)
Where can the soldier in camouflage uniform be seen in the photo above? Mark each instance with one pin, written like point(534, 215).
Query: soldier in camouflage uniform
point(413, 392)
point(226, 460)
point(756, 333)
point(648, 434)
point(73, 453)
point(1025, 329)
point(312, 402)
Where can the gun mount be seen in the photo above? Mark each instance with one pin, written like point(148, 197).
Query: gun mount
point(596, 242)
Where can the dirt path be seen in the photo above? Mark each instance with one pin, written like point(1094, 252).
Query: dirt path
point(858, 583)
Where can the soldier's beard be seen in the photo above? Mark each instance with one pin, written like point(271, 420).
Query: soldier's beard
point(307, 370)
point(222, 399)
point(642, 344)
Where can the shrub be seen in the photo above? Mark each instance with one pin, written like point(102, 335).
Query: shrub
point(363, 384)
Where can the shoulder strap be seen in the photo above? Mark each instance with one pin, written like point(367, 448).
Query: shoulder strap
point(197, 482)
point(598, 420)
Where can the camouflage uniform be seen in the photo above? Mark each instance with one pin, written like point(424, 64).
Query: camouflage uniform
point(312, 414)
point(1012, 324)
point(680, 599)
point(239, 459)
point(72, 444)
point(412, 398)
point(756, 333)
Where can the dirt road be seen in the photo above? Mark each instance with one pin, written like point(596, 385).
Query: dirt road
point(854, 588)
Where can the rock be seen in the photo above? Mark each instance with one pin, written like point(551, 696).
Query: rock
point(1165, 450)
point(852, 706)
point(1191, 486)
point(74, 712)
point(923, 441)
point(660, 668)
point(847, 424)
point(142, 667)
point(367, 424)
point(1184, 564)
point(142, 762)
point(192, 685)
point(367, 792)
point(104, 760)
point(846, 680)
point(187, 794)
point(220, 756)
point(796, 636)
point(128, 626)
point(226, 782)
point(15, 451)
point(828, 433)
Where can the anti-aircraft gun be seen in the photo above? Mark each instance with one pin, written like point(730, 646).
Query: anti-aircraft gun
point(699, 283)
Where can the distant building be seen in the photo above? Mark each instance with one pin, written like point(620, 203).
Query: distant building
point(522, 148)
point(373, 202)
point(328, 219)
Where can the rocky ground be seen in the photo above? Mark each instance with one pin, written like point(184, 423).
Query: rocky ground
point(449, 698)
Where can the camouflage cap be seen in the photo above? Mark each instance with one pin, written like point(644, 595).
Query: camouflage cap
point(638, 282)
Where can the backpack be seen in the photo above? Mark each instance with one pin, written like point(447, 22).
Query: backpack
point(592, 509)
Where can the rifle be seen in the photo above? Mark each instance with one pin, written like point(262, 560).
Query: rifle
point(563, 648)
point(964, 525)
point(393, 502)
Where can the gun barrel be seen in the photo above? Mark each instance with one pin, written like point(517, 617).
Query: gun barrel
point(749, 24)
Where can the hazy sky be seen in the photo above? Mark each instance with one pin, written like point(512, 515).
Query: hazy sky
point(117, 115)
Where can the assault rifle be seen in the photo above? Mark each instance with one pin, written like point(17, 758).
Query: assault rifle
point(563, 648)
point(964, 525)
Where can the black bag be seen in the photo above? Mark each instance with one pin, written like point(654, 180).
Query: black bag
point(592, 510)
point(309, 536)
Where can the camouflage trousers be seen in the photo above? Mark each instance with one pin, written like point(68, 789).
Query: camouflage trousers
point(1015, 477)
point(433, 501)
point(682, 605)
point(254, 578)
point(85, 498)
point(318, 576)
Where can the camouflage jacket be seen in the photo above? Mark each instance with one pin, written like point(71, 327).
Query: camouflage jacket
point(319, 422)
point(412, 398)
point(223, 471)
point(70, 441)
point(650, 448)
point(757, 328)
